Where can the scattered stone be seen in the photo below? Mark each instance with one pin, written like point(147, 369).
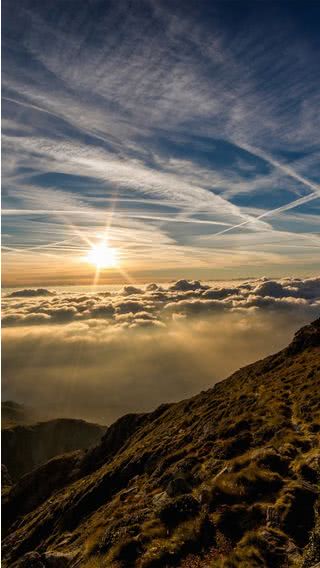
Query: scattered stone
point(159, 499)
point(273, 517)
point(126, 493)
point(118, 534)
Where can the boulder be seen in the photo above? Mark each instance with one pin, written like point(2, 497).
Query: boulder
point(178, 486)
point(58, 559)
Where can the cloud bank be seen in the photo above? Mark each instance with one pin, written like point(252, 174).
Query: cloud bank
point(156, 305)
point(100, 355)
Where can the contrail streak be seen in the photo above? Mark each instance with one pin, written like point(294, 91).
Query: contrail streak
point(287, 207)
point(285, 169)
point(289, 172)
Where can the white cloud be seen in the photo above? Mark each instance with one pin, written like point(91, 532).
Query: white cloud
point(185, 297)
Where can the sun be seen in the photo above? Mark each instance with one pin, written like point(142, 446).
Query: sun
point(102, 256)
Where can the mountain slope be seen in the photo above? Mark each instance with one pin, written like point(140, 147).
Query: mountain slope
point(25, 447)
point(228, 478)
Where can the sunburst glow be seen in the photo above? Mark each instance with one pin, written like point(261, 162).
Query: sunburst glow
point(102, 256)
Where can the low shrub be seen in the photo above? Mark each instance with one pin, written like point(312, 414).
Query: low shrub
point(127, 551)
point(234, 521)
point(296, 508)
point(247, 485)
point(259, 549)
point(178, 510)
point(190, 537)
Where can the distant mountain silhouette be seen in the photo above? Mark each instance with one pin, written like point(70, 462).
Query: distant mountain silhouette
point(26, 446)
point(228, 478)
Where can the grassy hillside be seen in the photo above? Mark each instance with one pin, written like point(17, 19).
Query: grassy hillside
point(229, 478)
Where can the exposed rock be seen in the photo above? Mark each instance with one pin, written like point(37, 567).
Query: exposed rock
point(118, 534)
point(307, 337)
point(273, 518)
point(58, 560)
point(113, 440)
point(178, 486)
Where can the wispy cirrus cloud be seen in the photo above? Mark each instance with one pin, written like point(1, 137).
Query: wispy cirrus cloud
point(177, 120)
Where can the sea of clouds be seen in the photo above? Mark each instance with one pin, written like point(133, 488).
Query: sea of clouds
point(101, 354)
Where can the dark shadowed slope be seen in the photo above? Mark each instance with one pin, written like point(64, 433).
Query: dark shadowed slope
point(228, 478)
point(25, 447)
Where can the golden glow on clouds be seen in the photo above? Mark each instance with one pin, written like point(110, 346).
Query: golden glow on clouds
point(102, 255)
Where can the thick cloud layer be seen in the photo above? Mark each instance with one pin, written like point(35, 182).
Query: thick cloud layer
point(158, 305)
point(99, 355)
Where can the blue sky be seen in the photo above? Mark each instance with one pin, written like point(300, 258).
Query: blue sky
point(189, 129)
